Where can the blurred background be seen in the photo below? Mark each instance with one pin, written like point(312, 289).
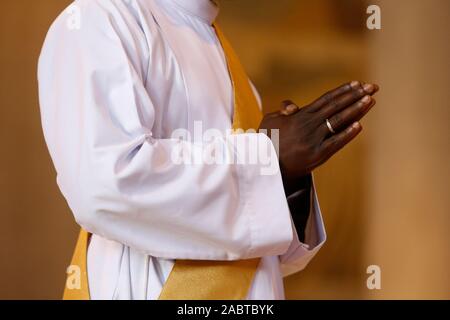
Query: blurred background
point(384, 199)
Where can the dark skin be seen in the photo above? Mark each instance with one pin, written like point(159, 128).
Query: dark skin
point(305, 140)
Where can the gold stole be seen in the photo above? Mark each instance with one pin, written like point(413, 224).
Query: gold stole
point(194, 279)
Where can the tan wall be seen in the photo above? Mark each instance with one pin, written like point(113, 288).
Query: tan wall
point(408, 202)
point(384, 199)
point(36, 229)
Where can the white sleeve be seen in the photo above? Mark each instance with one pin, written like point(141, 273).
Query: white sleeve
point(300, 254)
point(119, 181)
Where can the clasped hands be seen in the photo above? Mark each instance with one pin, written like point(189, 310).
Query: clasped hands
point(310, 135)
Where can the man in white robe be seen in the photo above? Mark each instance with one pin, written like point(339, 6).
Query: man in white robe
point(113, 88)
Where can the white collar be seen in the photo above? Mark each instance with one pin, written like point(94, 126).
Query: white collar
point(206, 10)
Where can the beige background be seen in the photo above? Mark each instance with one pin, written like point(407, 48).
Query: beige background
point(385, 198)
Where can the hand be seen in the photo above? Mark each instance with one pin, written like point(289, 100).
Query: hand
point(305, 141)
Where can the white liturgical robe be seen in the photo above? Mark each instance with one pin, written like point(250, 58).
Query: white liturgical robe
point(116, 79)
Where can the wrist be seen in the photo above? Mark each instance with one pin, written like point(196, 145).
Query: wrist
point(292, 185)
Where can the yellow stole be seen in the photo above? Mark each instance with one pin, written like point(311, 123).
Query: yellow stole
point(194, 279)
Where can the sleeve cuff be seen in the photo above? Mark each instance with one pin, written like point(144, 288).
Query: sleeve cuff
point(299, 203)
point(262, 193)
point(299, 254)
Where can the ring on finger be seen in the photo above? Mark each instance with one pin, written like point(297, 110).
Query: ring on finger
point(330, 127)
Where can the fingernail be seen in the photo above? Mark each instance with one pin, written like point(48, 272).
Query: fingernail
point(291, 108)
point(366, 99)
point(356, 125)
point(368, 87)
point(354, 84)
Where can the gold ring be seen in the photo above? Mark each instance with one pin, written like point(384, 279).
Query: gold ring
point(330, 127)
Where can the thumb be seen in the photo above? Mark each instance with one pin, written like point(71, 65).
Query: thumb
point(288, 108)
